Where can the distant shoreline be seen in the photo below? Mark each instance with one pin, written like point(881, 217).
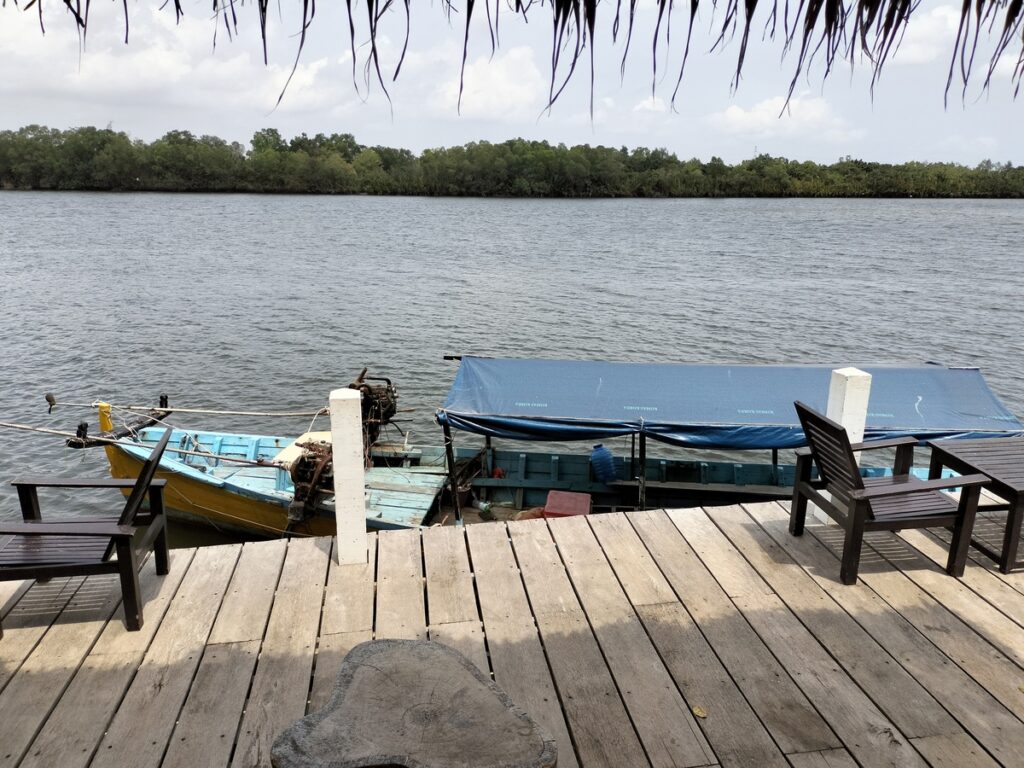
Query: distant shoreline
point(102, 160)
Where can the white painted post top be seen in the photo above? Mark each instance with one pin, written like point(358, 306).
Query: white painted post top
point(851, 371)
point(848, 394)
point(349, 477)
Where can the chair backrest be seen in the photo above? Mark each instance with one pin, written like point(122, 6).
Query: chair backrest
point(138, 494)
point(830, 447)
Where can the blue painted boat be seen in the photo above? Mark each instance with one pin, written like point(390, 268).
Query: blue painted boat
point(255, 499)
point(716, 407)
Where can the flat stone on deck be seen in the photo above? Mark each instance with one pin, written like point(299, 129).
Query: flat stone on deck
point(417, 704)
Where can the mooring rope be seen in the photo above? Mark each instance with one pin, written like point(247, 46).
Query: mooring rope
point(112, 441)
point(146, 408)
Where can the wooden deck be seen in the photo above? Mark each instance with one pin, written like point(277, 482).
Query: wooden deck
point(679, 638)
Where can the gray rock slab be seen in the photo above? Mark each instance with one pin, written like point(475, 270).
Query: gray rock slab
point(415, 704)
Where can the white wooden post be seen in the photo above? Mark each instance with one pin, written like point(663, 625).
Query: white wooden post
point(349, 482)
point(848, 393)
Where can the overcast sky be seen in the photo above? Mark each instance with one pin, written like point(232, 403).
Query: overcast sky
point(170, 76)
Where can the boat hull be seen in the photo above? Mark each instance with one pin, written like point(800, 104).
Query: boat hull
point(253, 495)
point(198, 502)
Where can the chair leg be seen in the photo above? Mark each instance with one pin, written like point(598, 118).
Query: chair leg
point(798, 509)
point(962, 530)
point(131, 597)
point(852, 546)
point(161, 551)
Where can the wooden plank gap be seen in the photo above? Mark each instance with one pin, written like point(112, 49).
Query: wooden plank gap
point(791, 719)
point(515, 648)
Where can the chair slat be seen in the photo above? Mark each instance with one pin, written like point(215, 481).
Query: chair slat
point(46, 555)
point(907, 506)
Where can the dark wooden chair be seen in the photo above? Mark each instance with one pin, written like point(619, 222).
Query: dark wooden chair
point(869, 504)
point(38, 549)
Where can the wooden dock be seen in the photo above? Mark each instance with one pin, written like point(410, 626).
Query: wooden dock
point(663, 638)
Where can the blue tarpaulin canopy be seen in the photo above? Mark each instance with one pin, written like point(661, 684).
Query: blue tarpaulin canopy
point(709, 406)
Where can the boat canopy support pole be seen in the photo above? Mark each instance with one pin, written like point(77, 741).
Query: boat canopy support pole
point(453, 484)
point(488, 464)
point(642, 479)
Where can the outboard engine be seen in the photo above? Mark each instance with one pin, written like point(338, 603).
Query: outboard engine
point(312, 475)
point(380, 404)
point(312, 472)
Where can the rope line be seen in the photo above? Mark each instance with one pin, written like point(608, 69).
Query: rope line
point(111, 441)
point(206, 411)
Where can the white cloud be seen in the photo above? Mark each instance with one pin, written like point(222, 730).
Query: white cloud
point(1007, 65)
point(651, 104)
point(508, 86)
point(167, 65)
point(805, 116)
point(928, 37)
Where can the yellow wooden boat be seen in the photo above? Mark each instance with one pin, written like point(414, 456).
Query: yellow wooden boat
point(241, 483)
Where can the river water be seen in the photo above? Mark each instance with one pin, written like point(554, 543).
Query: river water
point(267, 302)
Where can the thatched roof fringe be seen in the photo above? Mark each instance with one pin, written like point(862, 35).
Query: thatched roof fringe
point(831, 28)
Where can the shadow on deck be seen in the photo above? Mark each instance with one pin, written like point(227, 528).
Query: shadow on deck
point(664, 638)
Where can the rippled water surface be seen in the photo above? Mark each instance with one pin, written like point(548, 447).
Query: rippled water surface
point(247, 302)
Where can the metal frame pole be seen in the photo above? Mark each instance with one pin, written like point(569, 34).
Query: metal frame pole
point(643, 471)
point(449, 452)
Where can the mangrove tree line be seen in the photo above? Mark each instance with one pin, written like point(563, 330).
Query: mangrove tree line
point(36, 157)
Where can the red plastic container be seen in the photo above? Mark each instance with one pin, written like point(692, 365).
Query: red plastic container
point(566, 504)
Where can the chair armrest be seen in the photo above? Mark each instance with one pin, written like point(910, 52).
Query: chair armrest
point(805, 451)
point(67, 528)
point(895, 442)
point(904, 487)
point(80, 482)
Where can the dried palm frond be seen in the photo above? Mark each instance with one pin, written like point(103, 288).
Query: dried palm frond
point(829, 28)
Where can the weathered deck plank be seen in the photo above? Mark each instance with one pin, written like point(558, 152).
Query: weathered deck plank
point(280, 686)
point(954, 751)
point(347, 619)
point(516, 654)
point(608, 630)
point(988, 529)
point(329, 657)
point(731, 726)
point(11, 592)
point(867, 661)
point(833, 758)
point(349, 598)
point(76, 725)
point(450, 595)
point(987, 621)
point(645, 685)
point(205, 732)
point(243, 614)
point(26, 622)
point(984, 583)
point(401, 612)
point(974, 707)
point(870, 736)
point(153, 701)
point(209, 719)
point(601, 728)
point(1000, 676)
point(783, 708)
point(466, 637)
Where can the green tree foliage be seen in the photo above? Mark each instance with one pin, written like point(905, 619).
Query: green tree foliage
point(36, 157)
